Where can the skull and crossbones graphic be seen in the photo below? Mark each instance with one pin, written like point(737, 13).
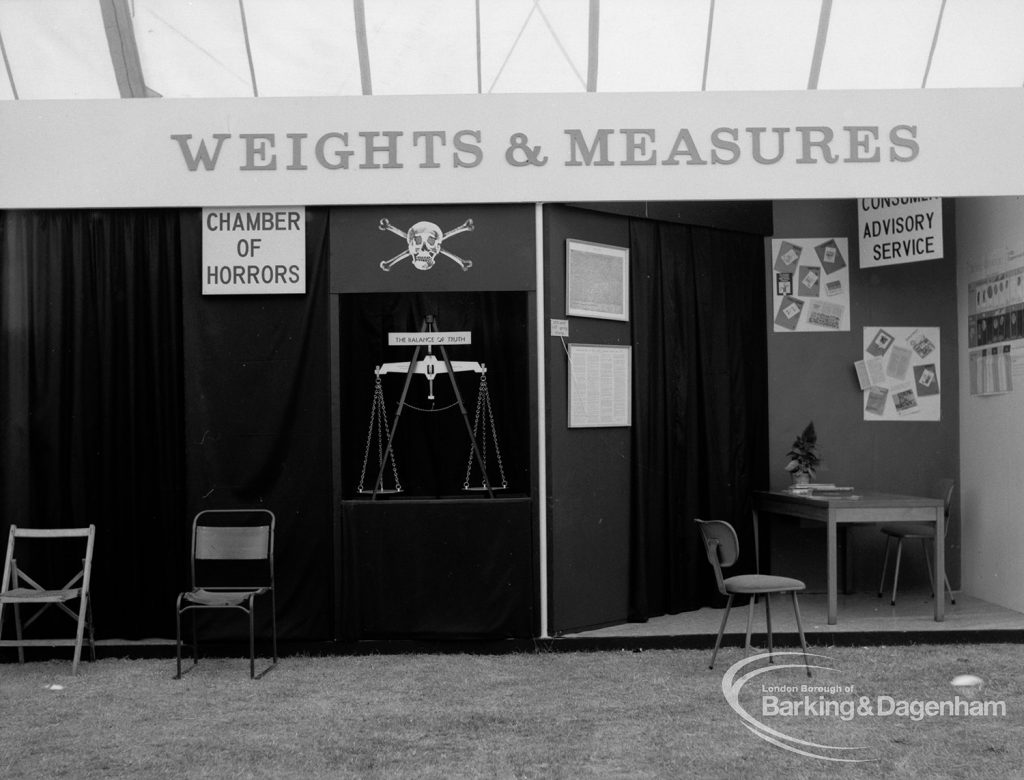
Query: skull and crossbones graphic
point(424, 241)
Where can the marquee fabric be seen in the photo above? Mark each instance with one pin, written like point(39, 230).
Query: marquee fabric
point(247, 48)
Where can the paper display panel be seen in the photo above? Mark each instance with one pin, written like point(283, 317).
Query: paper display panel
point(600, 381)
point(596, 280)
point(995, 325)
point(810, 284)
point(899, 374)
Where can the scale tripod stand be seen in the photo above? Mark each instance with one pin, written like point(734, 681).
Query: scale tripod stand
point(430, 366)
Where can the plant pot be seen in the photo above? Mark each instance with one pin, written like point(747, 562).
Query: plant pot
point(801, 479)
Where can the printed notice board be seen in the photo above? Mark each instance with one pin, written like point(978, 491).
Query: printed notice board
point(810, 284)
point(600, 378)
point(995, 324)
point(900, 374)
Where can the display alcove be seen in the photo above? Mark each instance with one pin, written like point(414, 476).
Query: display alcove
point(431, 549)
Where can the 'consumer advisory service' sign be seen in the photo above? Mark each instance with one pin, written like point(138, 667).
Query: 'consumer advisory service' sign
point(254, 251)
point(899, 230)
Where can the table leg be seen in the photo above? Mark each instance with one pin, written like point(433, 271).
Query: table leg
point(832, 576)
point(940, 564)
point(845, 571)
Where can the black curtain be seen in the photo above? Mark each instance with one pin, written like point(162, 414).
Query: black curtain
point(258, 426)
point(91, 411)
point(699, 405)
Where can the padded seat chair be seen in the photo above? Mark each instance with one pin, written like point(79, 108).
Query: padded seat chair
point(18, 588)
point(723, 549)
point(232, 564)
point(923, 531)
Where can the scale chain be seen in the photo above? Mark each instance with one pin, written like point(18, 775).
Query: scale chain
point(378, 420)
point(484, 401)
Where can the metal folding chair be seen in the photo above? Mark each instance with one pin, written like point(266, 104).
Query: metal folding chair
point(232, 564)
point(18, 587)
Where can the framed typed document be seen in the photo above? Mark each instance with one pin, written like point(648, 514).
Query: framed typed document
point(600, 381)
point(596, 280)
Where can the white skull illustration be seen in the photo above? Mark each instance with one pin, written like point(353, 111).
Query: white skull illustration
point(424, 244)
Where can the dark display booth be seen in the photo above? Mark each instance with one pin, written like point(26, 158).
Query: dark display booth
point(435, 440)
point(393, 416)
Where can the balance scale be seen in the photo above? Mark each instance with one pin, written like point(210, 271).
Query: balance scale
point(431, 367)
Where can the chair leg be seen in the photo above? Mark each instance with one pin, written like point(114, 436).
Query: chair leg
point(273, 623)
point(252, 641)
point(83, 606)
point(928, 565)
point(195, 637)
point(768, 620)
point(800, 631)
point(92, 635)
point(721, 630)
point(885, 565)
point(177, 643)
point(946, 578)
point(896, 574)
point(750, 619)
point(931, 578)
point(17, 632)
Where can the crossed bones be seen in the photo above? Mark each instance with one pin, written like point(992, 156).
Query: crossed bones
point(424, 241)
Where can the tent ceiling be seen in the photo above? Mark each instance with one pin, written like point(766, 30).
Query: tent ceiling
point(62, 49)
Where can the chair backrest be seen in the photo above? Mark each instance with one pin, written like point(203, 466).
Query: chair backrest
point(82, 576)
point(721, 544)
point(944, 490)
point(233, 547)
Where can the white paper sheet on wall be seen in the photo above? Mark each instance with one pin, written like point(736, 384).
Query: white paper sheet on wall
point(899, 373)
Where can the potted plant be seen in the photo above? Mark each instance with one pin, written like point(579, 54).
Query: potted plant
point(803, 456)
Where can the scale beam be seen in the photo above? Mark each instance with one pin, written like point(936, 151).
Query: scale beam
point(430, 365)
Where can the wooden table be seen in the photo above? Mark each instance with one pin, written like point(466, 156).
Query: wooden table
point(859, 508)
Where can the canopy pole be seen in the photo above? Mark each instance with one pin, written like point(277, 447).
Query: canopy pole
point(542, 460)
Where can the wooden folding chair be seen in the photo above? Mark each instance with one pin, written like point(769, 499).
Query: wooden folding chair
point(18, 588)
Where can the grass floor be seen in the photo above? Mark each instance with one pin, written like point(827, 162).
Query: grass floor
point(651, 714)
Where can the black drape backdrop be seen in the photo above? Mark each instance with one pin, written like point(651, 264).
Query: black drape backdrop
point(258, 424)
point(699, 405)
point(129, 400)
point(92, 402)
